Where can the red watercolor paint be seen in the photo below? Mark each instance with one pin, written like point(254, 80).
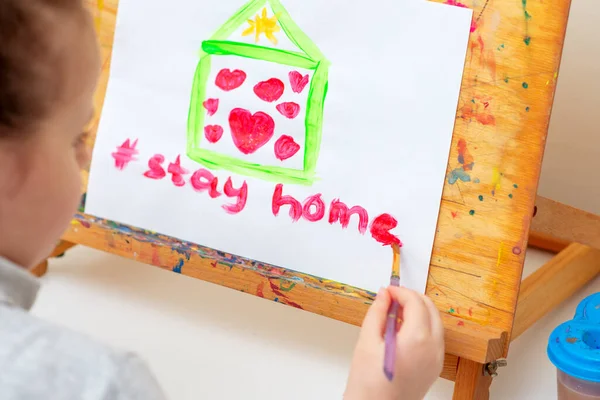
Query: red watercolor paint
point(381, 227)
point(454, 214)
point(280, 200)
point(298, 81)
point(213, 133)
point(317, 203)
point(125, 154)
point(241, 194)
point(228, 80)
point(270, 90)
point(286, 148)
point(177, 172)
point(470, 312)
point(340, 212)
point(461, 323)
point(250, 132)
point(202, 180)
point(156, 170)
point(464, 157)
point(212, 106)
point(259, 289)
point(289, 109)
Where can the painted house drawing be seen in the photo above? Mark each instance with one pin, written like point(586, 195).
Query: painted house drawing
point(258, 97)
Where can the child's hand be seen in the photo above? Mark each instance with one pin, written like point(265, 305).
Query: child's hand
point(419, 349)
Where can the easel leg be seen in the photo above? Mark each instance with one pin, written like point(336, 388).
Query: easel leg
point(471, 383)
point(60, 249)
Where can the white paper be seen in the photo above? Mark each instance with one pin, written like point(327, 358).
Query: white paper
point(393, 83)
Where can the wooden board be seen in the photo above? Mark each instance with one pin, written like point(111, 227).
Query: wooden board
point(493, 170)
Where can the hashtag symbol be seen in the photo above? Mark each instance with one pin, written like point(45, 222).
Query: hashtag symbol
point(125, 154)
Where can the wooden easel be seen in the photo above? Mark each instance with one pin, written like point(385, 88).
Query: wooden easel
point(485, 214)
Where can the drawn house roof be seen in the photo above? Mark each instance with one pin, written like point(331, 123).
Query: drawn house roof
point(297, 41)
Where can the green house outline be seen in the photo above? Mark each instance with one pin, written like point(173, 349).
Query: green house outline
point(310, 58)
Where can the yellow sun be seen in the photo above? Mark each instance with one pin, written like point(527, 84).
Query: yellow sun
point(261, 24)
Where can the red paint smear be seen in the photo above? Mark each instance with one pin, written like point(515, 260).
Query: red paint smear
point(279, 293)
point(241, 194)
point(380, 228)
point(85, 224)
point(286, 147)
point(340, 212)
point(125, 154)
point(317, 203)
point(177, 172)
point(213, 133)
point(298, 81)
point(259, 289)
point(464, 157)
point(461, 323)
point(454, 214)
point(213, 264)
point(212, 106)
point(289, 109)
point(227, 80)
point(250, 132)
point(270, 90)
point(279, 200)
point(155, 257)
point(473, 25)
point(276, 290)
point(455, 3)
point(156, 170)
point(484, 119)
point(470, 312)
point(204, 180)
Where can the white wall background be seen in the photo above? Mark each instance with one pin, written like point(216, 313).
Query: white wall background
point(207, 342)
point(571, 169)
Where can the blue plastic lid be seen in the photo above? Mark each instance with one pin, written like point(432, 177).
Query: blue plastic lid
point(574, 347)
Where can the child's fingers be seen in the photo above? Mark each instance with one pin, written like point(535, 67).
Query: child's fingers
point(415, 315)
point(374, 323)
point(437, 327)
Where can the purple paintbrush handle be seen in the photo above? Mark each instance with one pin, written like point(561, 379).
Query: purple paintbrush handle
point(390, 341)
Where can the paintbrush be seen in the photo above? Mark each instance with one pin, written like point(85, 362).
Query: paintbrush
point(389, 359)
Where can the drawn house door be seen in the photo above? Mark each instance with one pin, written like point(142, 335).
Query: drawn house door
point(258, 95)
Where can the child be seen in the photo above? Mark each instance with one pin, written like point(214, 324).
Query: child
point(49, 65)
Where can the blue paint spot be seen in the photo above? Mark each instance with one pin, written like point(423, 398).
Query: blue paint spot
point(177, 268)
point(457, 174)
point(476, 180)
point(276, 299)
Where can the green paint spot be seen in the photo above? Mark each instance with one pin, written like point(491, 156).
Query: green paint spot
point(472, 212)
point(527, 40)
point(288, 288)
point(527, 15)
point(506, 79)
point(527, 109)
point(451, 310)
point(473, 101)
point(510, 196)
point(525, 85)
point(516, 186)
point(480, 198)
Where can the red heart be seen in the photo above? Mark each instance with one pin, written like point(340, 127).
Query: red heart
point(270, 90)
point(289, 109)
point(227, 80)
point(298, 81)
point(211, 105)
point(250, 132)
point(285, 147)
point(213, 133)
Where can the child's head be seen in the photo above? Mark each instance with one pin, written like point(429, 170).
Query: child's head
point(49, 65)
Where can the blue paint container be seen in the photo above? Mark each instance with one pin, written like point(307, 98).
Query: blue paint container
point(574, 348)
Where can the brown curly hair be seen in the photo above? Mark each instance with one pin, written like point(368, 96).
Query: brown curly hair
point(30, 61)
